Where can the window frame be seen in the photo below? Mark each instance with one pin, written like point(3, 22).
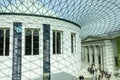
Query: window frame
point(73, 43)
point(61, 42)
point(32, 41)
point(5, 43)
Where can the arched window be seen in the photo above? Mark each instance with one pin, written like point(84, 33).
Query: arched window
point(35, 42)
point(1, 42)
point(73, 42)
point(57, 42)
point(7, 38)
point(32, 42)
point(4, 42)
point(28, 40)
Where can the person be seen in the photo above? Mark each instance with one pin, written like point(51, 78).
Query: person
point(102, 73)
point(93, 71)
point(95, 74)
point(93, 68)
point(88, 69)
point(82, 78)
point(106, 73)
point(108, 76)
point(98, 74)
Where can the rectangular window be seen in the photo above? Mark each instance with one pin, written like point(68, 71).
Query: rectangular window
point(73, 42)
point(31, 42)
point(57, 42)
point(4, 42)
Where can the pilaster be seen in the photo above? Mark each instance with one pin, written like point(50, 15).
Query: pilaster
point(109, 56)
point(96, 56)
point(90, 54)
point(82, 53)
point(85, 49)
point(102, 57)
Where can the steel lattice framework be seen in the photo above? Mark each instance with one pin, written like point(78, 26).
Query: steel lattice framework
point(94, 16)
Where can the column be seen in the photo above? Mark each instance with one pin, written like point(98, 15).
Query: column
point(96, 56)
point(46, 52)
point(102, 57)
point(93, 58)
point(17, 50)
point(82, 53)
point(85, 53)
point(90, 55)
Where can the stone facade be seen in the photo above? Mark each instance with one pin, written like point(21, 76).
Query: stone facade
point(101, 51)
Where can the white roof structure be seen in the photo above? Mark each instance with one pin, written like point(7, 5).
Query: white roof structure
point(94, 16)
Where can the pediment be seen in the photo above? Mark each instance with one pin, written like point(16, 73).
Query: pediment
point(91, 38)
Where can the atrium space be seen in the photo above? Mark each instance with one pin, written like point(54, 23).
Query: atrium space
point(59, 39)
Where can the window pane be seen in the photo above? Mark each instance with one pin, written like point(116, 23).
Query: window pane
point(58, 43)
point(7, 43)
point(28, 40)
point(1, 42)
point(73, 42)
point(53, 42)
point(72, 49)
point(35, 42)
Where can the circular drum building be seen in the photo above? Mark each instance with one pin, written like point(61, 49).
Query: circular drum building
point(36, 44)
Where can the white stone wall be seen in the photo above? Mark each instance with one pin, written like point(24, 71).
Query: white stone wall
point(66, 64)
point(109, 56)
point(106, 49)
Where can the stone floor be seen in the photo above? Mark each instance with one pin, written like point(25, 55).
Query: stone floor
point(112, 78)
point(91, 78)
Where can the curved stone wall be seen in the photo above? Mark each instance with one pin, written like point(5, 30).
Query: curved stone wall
point(65, 65)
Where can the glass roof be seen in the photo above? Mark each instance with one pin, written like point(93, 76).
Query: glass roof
point(94, 16)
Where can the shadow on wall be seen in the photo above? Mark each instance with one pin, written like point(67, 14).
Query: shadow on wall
point(61, 76)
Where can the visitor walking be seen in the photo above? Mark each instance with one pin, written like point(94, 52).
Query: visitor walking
point(98, 74)
point(81, 77)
